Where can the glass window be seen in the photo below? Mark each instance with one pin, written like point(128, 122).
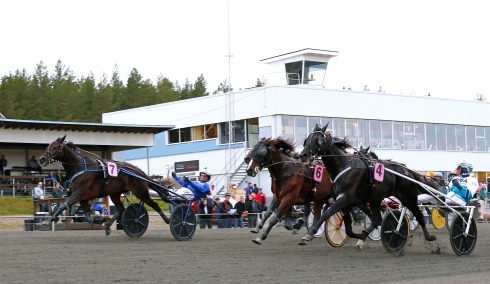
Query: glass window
point(173, 136)
point(338, 127)
point(398, 137)
point(374, 134)
point(198, 132)
point(288, 127)
point(387, 134)
point(441, 136)
point(351, 131)
point(430, 132)
point(419, 136)
point(312, 121)
point(470, 138)
point(460, 138)
point(487, 139)
point(480, 138)
point(185, 134)
point(237, 131)
point(450, 137)
point(300, 129)
point(294, 72)
point(211, 131)
point(409, 134)
point(314, 73)
point(363, 132)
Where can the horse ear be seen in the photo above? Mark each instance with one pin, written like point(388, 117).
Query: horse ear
point(325, 128)
point(367, 149)
point(61, 139)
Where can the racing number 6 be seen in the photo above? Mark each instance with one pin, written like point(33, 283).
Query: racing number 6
point(318, 173)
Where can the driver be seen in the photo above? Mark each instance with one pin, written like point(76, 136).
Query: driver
point(462, 186)
point(193, 190)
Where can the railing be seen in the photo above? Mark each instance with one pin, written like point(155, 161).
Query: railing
point(223, 175)
point(20, 184)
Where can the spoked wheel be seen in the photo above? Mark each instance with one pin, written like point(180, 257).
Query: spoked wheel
point(135, 221)
point(438, 218)
point(462, 243)
point(375, 235)
point(414, 224)
point(449, 220)
point(394, 240)
point(335, 230)
point(182, 227)
point(321, 230)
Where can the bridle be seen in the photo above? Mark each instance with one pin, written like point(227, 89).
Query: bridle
point(51, 156)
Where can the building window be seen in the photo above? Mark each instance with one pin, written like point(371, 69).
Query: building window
point(314, 73)
point(441, 137)
point(327, 121)
point(487, 139)
point(300, 129)
point(450, 138)
point(374, 134)
point(419, 136)
point(211, 131)
point(480, 138)
point(460, 138)
point(431, 136)
point(470, 138)
point(409, 135)
point(294, 72)
point(363, 132)
point(352, 131)
point(237, 131)
point(338, 127)
point(288, 127)
point(179, 135)
point(387, 134)
point(398, 137)
point(312, 121)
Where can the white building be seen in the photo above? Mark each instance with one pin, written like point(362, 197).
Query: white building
point(427, 134)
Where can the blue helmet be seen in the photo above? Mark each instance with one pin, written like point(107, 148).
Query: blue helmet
point(465, 164)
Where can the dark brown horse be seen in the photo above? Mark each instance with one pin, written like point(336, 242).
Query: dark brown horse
point(292, 182)
point(354, 183)
point(89, 180)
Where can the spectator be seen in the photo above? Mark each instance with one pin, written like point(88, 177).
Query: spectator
point(213, 190)
point(50, 179)
point(483, 200)
point(219, 212)
point(261, 198)
point(34, 165)
point(38, 194)
point(59, 177)
point(252, 208)
point(248, 190)
point(438, 179)
point(206, 206)
point(255, 189)
point(57, 193)
point(225, 208)
point(3, 164)
point(240, 209)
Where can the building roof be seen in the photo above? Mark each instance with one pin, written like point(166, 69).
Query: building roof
point(82, 126)
point(306, 51)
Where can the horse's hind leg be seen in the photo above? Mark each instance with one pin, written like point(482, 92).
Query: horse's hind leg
point(274, 220)
point(120, 209)
point(68, 204)
point(420, 218)
point(144, 195)
point(267, 214)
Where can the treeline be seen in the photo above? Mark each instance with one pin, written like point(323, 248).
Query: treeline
point(60, 96)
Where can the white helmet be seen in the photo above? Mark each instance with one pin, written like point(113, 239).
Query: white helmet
point(438, 174)
point(206, 172)
point(465, 164)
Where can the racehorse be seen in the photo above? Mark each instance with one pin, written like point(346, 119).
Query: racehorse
point(353, 182)
point(89, 180)
point(291, 183)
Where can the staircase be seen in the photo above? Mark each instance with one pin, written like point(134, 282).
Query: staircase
point(237, 178)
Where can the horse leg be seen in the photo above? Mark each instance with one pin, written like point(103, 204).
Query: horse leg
point(120, 210)
point(267, 214)
point(302, 220)
point(340, 203)
point(274, 220)
point(420, 218)
point(88, 215)
point(68, 204)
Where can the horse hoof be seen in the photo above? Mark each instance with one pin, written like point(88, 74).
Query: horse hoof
point(432, 238)
point(255, 231)
point(107, 231)
point(257, 241)
point(166, 219)
point(360, 247)
point(295, 232)
point(302, 242)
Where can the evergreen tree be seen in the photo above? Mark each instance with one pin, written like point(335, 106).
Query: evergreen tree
point(480, 97)
point(63, 98)
point(199, 88)
point(165, 91)
point(38, 94)
point(261, 82)
point(224, 87)
point(117, 89)
point(13, 94)
point(186, 91)
point(88, 106)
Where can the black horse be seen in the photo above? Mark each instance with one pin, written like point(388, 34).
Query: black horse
point(89, 180)
point(354, 183)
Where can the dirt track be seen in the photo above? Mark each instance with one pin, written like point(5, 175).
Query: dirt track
point(229, 256)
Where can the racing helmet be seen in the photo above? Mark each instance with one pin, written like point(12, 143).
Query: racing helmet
point(438, 174)
point(465, 164)
point(205, 172)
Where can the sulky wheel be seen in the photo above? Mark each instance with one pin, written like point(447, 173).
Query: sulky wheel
point(438, 219)
point(321, 230)
point(449, 220)
point(135, 220)
point(375, 235)
point(335, 230)
point(414, 224)
point(183, 227)
point(462, 243)
point(394, 240)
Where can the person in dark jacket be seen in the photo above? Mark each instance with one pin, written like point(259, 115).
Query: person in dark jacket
point(206, 205)
point(252, 207)
point(240, 209)
point(225, 208)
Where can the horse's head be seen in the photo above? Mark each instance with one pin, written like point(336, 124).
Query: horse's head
point(54, 152)
point(258, 157)
point(315, 143)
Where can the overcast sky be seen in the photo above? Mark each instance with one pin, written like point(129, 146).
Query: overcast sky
point(437, 47)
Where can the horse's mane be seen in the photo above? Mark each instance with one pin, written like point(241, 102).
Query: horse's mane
point(283, 144)
point(342, 143)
